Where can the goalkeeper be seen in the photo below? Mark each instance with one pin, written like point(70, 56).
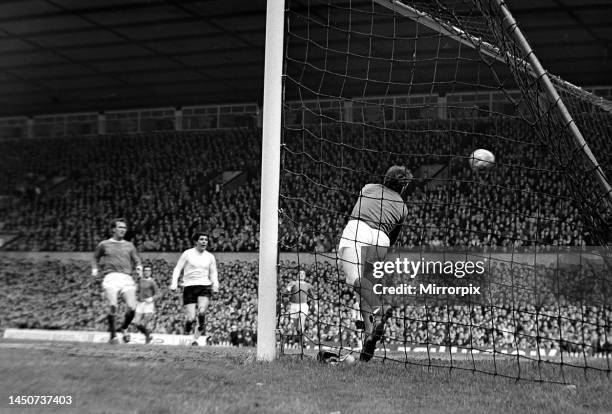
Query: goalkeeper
point(374, 225)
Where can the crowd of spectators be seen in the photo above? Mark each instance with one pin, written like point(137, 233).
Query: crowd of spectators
point(524, 201)
point(522, 307)
point(161, 182)
point(52, 294)
point(544, 307)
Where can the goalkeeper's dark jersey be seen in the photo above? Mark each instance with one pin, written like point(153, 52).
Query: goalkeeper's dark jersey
point(380, 208)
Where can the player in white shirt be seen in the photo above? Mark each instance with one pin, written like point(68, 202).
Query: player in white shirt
point(200, 281)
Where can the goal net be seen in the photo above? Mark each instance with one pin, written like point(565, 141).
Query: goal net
point(422, 84)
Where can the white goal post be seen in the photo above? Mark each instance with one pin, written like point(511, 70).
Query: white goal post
point(270, 182)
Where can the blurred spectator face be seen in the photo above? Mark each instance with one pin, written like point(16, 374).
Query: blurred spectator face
point(147, 272)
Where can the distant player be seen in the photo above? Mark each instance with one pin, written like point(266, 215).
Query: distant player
point(374, 225)
point(299, 292)
point(145, 309)
point(116, 259)
point(200, 281)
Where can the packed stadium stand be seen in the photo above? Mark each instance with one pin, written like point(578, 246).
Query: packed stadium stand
point(72, 300)
point(161, 182)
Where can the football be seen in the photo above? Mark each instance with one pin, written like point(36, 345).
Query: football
point(481, 158)
point(349, 359)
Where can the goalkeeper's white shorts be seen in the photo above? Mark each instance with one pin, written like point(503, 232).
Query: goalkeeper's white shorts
point(356, 236)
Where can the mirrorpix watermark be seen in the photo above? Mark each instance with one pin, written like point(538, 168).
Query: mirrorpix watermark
point(410, 268)
point(430, 275)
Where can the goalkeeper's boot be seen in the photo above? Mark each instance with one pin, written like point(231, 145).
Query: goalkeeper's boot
point(113, 341)
point(328, 357)
point(369, 345)
point(333, 358)
point(148, 339)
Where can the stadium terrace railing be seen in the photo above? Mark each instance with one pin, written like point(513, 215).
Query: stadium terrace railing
point(200, 118)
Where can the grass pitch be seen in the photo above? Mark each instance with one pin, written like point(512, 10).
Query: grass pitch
point(156, 379)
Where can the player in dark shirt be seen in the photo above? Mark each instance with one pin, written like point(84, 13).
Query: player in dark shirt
point(299, 291)
point(145, 309)
point(375, 223)
point(116, 258)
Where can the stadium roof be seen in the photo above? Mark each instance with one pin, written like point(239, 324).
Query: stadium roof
point(62, 56)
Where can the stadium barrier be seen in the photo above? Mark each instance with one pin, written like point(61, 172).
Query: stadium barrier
point(186, 340)
point(521, 255)
point(96, 337)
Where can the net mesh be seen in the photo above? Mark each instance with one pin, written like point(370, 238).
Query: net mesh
point(368, 85)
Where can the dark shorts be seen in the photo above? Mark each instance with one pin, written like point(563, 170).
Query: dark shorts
point(192, 293)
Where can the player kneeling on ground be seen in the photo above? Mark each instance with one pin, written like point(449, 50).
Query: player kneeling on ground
point(200, 281)
point(375, 223)
point(145, 309)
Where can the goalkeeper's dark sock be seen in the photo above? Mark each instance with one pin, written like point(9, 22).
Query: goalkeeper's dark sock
point(379, 329)
point(129, 316)
point(202, 323)
point(369, 303)
point(369, 345)
point(188, 327)
point(367, 351)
